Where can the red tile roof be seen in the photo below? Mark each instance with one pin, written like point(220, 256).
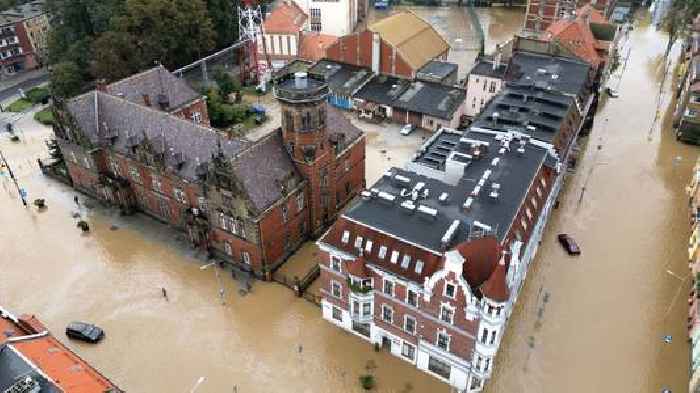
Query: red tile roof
point(314, 45)
point(286, 18)
point(62, 366)
point(481, 257)
point(431, 262)
point(575, 34)
point(495, 287)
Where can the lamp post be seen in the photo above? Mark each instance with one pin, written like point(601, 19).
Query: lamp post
point(218, 279)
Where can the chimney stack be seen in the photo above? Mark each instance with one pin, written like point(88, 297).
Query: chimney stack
point(497, 58)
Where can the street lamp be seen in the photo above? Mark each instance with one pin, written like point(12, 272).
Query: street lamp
point(218, 279)
point(196, 385)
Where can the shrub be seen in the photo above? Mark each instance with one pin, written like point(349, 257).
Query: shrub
point(367, 381)
point(38, 95)
point(44, 117)
point(20, 105)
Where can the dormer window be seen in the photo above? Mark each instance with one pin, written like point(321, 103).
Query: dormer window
point(382, 252)
point(368, 246)
point(358, 242)
point(447, 314)
point(346, 237)
point(450, 290)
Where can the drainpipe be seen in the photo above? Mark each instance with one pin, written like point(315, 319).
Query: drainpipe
point(11, 340)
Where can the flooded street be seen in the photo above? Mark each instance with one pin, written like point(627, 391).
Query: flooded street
point(587, 324)
point(603, 314)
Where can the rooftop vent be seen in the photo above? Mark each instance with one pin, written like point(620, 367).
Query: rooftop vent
point(443, 197)
point(386, 196)
point(366, 195)
point(502, 150)
point(301, 80)
point(487, 174)
point(521, 150)
point(429, 211)
point(402, 179)
point(541, 71)
point(480, 225)
point(494, 194)
point(496, 160)
point(468, 203)
point(450, 234)
point(409, 206)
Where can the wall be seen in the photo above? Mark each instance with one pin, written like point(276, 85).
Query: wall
point(338, 18)
point(480, 90)
point(200, 106)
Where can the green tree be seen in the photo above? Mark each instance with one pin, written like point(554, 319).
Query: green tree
point(114, 56)
point(173, 32)
point(224, 17)
point(678, 19)
point(66, 79)
point(227, 84)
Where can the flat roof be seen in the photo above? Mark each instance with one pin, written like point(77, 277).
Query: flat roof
point(563, 74)
point(484, 67)
point(433, 99)
point(530, 110)
point(438, 69)
point(437, 169)
point(343, 79)
point(383, 89)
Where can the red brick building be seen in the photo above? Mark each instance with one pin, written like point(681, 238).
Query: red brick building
point(429, 263)
point(142, 144)
point(399, 45)
point(32, 358)
point(540, 14)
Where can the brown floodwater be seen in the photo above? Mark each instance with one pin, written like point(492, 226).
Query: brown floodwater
point(587, 324)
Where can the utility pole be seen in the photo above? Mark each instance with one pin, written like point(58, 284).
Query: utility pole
point(20, 191)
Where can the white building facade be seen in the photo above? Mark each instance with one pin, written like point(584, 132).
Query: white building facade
point(336, 18)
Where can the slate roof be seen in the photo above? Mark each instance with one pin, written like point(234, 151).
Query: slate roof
point(433, 99)
point(383, 89)
point(340, 129)
point(286, 18)
point(314, 45)
point(527, 109)
point(126, 124)
point(562, 74)
point(484, 67)
point(343, 79)
point(437, 69)
point(13, 366)
point(434, 169)
point(481, 258)
point(263, 168)
point(154, 83)
point(416, 40)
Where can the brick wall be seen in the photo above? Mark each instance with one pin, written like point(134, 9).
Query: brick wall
point(279, 238)
point(198, 105)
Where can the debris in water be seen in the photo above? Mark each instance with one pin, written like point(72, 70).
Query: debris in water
point(82, 224)
point(113, 227)
point(76, 214)
point(165, 293)
point(667, 339)
point(242, 292)
point(383, 151)
point(40, 203)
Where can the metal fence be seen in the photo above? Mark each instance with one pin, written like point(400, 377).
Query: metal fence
point(200, 74)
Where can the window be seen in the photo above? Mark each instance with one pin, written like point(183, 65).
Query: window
point(114, 166)
point(475, 383)
point(135, 175)
point(337, 314)
point(335, 264)
point(419, 266)
point(474, 102)
point(492, 87)
point(523, 224)
point(485, 83)
point(358, 242)
point(447, 314)
point(534, 202)
point(336, 289)
point(493, 338)
point(498, 311)
point(87, 162)
point(450, 290)
point(543, 182)
point(228, 249)
point(382, 252)
point(389, 287)
point(487, 364)
point(484, 336)
point(394, 256)
point(155, 182)
point(346, 165)
point(366, 309)
point(315, 13)
point(406, 261)
point(528, 213)
point(409, 324)
point(387, 314)
point(408, 351)
point(288, 121)
point(202, 203)
point(179, 195)
point(346, 237)
point(412, 298)
point(368, 246)
point(324, 178)
point(539, 191)
point(439, 367)
point(300, 201)
point(246, 257)
point(196, 117)
point(443, 341)
point(285, 217)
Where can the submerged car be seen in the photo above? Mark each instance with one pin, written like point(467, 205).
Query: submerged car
point(407, 129)
point(569, 244)
point(612, 92)
point(84, 331)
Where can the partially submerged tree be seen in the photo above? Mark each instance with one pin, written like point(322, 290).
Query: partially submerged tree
point(678, 19)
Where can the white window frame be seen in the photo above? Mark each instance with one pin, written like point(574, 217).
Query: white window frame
point(533, 200)
point(523, 224)
point(392, 284)
point(413, 350)
point(408, 292)
point(528, 213)
point(156, 184)
point(454, 292)
point(300, 201)
point(382, 252)
point(246, 257)
point(179, 195)
point(358, 242)
point(346, 237)
point(196, 117)
point(368, 246)
point(340, 313)
point(391, 314)
point(228, 249)
point(451, 309)
point(336, 285)
point(394, 257)
point(405, 323)
point(405, 261)
point(335, 260)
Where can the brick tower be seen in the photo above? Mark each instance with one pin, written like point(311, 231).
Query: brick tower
point(304, 120)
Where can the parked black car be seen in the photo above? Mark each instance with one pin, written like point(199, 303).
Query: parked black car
point(569, 244)
point(84, 331)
